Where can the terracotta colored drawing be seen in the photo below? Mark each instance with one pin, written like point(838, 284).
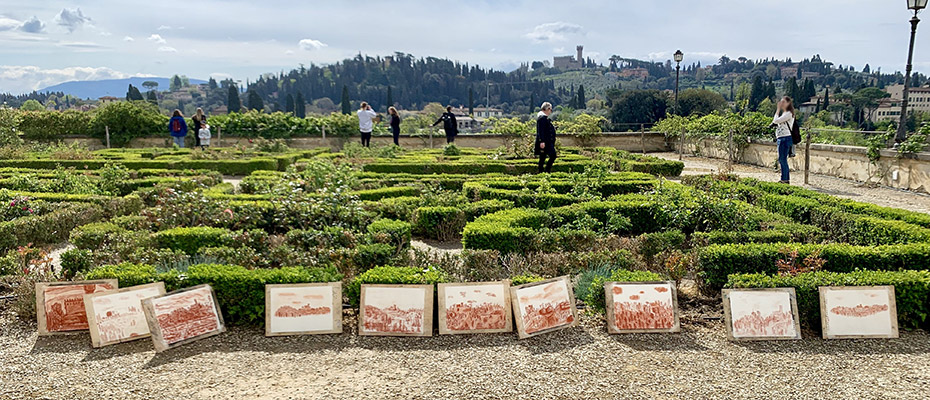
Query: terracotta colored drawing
point(545, 306)
point(476, 307)
point(397, 310)
point(652, 309)
point(301, 309)
point(762, 314)
point(118, 316)
point(186, 315)
point(64, 306)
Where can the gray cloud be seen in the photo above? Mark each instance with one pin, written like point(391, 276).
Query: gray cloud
point(33, 25)
point(71, 19)
point(553, 31)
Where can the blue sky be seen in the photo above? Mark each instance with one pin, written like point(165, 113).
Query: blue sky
point(45, 42)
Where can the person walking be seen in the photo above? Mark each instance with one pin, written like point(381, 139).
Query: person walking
point(395, 125)
point(784, 121)
point(448, 124)
point(200, 120)
point(545, 138)
point(366, 123)
point(178, 128)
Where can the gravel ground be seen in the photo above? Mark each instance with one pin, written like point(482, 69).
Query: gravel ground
point(584, 362)
point(883, 196)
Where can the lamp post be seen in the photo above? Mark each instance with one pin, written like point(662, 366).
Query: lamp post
point(681, 140)
point(915, 5)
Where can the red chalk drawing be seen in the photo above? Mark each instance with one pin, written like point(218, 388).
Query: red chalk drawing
point(303, 311)
point(661, 289)
point(186, 315)
point(641, 316)
point(64, 306)
point(467, 316)
point(634, 297)
point(778, 323)
point(393, 319)
point(859, 310)
point(547, 315)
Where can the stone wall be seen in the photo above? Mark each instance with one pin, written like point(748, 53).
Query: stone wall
point(850, 162)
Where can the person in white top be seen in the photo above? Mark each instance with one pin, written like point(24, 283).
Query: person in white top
point(366, 122)
point(783, 121)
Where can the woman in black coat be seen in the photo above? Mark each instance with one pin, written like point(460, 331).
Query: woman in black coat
point(545, 138)
point(395, 125)
point(448, 124)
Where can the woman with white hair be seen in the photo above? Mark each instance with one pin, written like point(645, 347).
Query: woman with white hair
point(545, 138)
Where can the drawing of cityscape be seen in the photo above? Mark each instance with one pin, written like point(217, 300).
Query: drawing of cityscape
point(186, 315)
point(475, 307)
point(301, 309)
point(119, 316)
point(545, 306)
point(761, 314)
point(859, 312)
point(394, 310)
point(642, 307)
point(64, 306)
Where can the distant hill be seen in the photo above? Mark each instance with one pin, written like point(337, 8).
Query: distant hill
point(108, 87)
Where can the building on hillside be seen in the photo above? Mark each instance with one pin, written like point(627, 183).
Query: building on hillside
point(219, 110)
point(565, 63)
point(640, 73)
point(808, 107)
point(466, 122)
point(108, 99)
point(484, 112)
point(890, 108)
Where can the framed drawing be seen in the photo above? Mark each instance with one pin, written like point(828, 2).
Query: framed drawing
point(303, 309)
point(183, 316)
point(60, 305)
point(851, 312)
point(544, 306)
point(482, 307)
point(761, 314)
point(642, 307)
point(116, 316)
point(396, 310)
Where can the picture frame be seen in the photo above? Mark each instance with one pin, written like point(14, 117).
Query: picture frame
point(761, 314)
point(474, 307)
point(844, 316)
point(169, 321)
point(396, 310)
point(532, 301)
point(60, 305)
point(296, 309)
point(116, 316)
point(649, 307)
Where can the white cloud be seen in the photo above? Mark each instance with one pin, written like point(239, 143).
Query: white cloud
point(22, 79)
point(157, 39)
point(164, 28)
point(167, 49)
point(128, 39)
point(7, 24)
point(553, 32)
point(311, 44)
point(71, 19)
point(33, 25)
point(288, 52)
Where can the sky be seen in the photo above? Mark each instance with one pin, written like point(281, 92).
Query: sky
point(45, 42)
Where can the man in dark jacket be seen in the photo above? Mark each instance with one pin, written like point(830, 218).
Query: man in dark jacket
point(545, 138)
point(448, 124)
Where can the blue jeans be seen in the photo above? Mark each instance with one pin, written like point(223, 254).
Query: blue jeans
point(784, 148)
point(179, 140)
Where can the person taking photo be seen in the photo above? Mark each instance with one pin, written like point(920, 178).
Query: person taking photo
point(449, 125)
point(366, 123)
point(784, 121)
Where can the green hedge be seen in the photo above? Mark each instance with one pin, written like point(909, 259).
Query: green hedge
point(719, 261)
point(240, 292)
point(50, 228)
point(92, 236)
point(225, 167)
point(387, 192)
point(506, 231)
point(393, 275)
point(191, 240)
point(912, 291)
point(440, 223)
point(398, 232)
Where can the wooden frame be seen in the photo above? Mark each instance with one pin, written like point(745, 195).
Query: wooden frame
point(427, 319)
point(41, 313)
point(517, 306)
point(335, 308)
point(158, 335)
point(94, 323)
point(609, 296)
point(728, 315)
point(443, 316)
point(892, 311)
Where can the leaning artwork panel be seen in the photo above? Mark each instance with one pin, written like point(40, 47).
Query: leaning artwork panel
point(183, 316)
point(851, 312)
point(482, 307)
point(761, 314)
point(542, 307)
point(116, 316)
point(60, 305)
point(396, 310)
point(303, 309)
point(641, 307)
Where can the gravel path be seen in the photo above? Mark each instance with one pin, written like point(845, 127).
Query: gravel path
point(583, 362)
point(839, 187)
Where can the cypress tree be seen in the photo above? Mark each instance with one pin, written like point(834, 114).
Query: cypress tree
point(346, 107)
point(826, 99)
point(757, 93)
point(532, 102)
point(232, 100)
point(289, 104)
point(255, 101)
point(152, 98)
point(471, 101)
point(390, 97)
point(300, 106)
point(581, 102)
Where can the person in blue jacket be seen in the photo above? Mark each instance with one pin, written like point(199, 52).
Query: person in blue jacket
point(178, 128)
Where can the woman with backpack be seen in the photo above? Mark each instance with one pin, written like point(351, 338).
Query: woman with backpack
point(200, 120)
point(178, 128)
point(784, 123)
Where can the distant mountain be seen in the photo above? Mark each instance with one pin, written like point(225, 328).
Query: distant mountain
point(109, 87)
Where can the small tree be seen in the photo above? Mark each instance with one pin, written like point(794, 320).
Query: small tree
point(300, 106)
point(289, 104)
point(133, 94)
point(32, 105)
point(176, 83)
point(346, 107)
point(471, 101)
point(233, 103)
point(255, 101)
point(390, 97)
point(150, 85)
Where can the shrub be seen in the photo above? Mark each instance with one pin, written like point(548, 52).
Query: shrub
point(76, 261)
point(127, 120)
point(451, 150)
point(397, 232)
point(718, 261)
point(393, 275)
point(441, 223)
point(912, 291)
point(476, 209)
point(524, 279)
point(368, 256)
point(92, 236)
point(191, 240)
point(652, 244)
point(378, 194)
point(724, 237)
point(53, 227)
point(506, 231)
point(594, 295)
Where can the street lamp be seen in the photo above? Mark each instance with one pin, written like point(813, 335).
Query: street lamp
point(915, 5)
point(681, 140)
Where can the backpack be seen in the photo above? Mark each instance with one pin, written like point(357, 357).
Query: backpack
point(795, 132)
point(176, 126)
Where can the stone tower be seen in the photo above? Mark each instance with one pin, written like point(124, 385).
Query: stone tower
point(580, 49)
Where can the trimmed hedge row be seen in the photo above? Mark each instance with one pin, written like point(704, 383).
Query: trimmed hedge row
point(506, 231)
point(191, 240)
point(473, 168)
point(240, 292)
point(386, 192)
point(226, 167)
point(392, 275)
point(50, 228)
point(719, 261)
point(912, 291)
